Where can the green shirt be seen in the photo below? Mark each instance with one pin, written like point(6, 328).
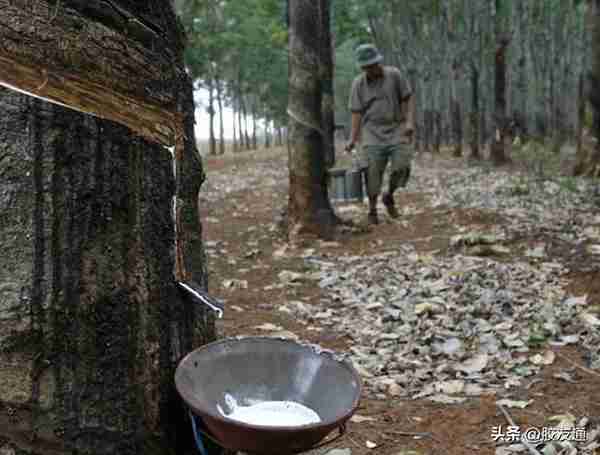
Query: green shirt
point(382, 104)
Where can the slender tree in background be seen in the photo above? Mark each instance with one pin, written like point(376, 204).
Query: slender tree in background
point(221, 126)
point(588, 162)
point(87, 236)
point(309, 210)
point(210, 109)
point(498, 154)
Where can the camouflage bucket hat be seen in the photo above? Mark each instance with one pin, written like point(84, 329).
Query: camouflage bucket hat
point(367, 54)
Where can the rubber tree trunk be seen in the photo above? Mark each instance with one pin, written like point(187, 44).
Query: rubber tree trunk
point(212, 143)
point(455, 111)
point(326, 75)
point(498, 155)
point(309, 210)
point(254, 115)
point(428, 132)
point(580, 115)
point(92, 243)
point(413, 74)
point(245, 114)
point(235, 133)
point(221, 128)
point(87, 274)
point(588, 162)
point(239, 105)
point(267, 132)
point(437, 138)
point(520, 105)
point(475, 114)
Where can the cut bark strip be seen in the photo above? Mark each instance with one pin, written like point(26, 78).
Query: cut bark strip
point(87, 66)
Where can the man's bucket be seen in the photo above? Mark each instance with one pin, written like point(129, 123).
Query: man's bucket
point(346, 184)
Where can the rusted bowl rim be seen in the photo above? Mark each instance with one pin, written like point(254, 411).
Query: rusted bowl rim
point(336, 421)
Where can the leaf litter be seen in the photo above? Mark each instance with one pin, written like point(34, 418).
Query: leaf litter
point(420, 322)
point(426, 319)
point(465, 322)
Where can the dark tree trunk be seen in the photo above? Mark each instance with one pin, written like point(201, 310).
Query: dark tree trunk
point(483, 125)
point(245, 114)
point(588, 160)
point(87, 270)
point(327, 100)
point(457, 128)
point(475, 115)
point(239, 106)
point(416, 113)
point(221, 128)
point(309, 210)
point(107, 325)
point(580, 114)
point(235, 134)
point(498, 154)
point(455, 113)
point(437, 127)
point(254, 114)
point(267, 133)
point(212, 143)
point(428, 134)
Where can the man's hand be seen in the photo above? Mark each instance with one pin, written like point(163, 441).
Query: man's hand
point(349, 147)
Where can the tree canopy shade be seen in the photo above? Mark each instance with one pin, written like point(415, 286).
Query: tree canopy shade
point(51, 49)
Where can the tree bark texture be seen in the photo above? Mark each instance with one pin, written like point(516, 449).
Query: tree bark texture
point(520, 117)
point(89, 240)
point(437, 138)
point(246, 135)
point(235, 135)
point(455, 112)
point(475, 115)
point(581, 118)
point(428, 130)
point(221, 127)
point(309, 210)
point(239, 106)
point(588, 161)
point(498, 154)
point(326, 75)
point(52, 49)
point(212, 142)
point(254, 115)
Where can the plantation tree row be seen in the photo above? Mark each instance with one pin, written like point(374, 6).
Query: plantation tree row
point(483, 71)
point(482, 68)
point(238, 54)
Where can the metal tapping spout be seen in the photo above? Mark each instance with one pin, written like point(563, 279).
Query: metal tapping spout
point(198, 295)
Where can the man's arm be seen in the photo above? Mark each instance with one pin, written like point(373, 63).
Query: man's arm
point(355, 105)
point(355, 132)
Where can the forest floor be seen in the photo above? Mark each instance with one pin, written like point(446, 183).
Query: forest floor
point(525, 239)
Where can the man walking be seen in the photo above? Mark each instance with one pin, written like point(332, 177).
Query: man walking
point(382, 117)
